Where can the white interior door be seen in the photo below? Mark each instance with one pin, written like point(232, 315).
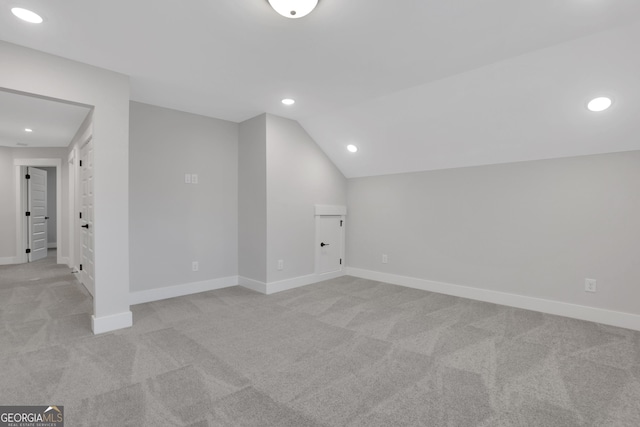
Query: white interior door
point(87, 267)
point(37, 208)
point(329, 240)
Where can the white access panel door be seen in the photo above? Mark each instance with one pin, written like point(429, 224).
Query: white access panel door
point(329, 240)
point(37, 208)
point(87, 258)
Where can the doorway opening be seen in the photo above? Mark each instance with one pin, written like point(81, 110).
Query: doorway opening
point(40, 146)
point(34, 211)
point(104, 95)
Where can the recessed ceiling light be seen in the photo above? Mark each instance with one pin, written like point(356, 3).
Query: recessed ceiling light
point(599, 104)
point(293, 8)
point(28, 130)
point(288, 101)
point(352, 148)
point(27, 15)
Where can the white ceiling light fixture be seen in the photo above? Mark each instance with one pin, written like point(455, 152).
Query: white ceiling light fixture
point(599, 104)
point(293, 8)
point(352, 148)
point(288, 101)
point(28, 130)
point(27, 15)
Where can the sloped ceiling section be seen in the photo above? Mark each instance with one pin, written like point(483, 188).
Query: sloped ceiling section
point(416, 77)
point(529, 107)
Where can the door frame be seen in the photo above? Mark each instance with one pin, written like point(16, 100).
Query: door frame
point(71, 167)
point(22, 237)
point(88, 138)
point(73, 164)
point(333, 211)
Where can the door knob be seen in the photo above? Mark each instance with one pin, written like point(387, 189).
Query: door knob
point(85, 226)
point(323, 244)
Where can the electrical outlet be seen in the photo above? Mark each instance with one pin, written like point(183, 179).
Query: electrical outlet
point(385, 258)
point(195, 266)
point(590, 285)
point(280, 264)
point(194, 178)
point(187, 178)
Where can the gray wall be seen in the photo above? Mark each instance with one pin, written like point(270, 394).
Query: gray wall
point(252, 199)
point(173, 223)
point(7, 205)
point(536, 228)
point(299, 176)
point(52, 235)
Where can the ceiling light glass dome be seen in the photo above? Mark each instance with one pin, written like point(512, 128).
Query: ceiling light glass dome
point(293, 8)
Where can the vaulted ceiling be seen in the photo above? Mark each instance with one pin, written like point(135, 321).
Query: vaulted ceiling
point(415, 84)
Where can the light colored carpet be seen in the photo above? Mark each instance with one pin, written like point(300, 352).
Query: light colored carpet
point(346, 352)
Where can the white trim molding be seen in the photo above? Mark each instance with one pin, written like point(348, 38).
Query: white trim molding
point(101, 325)
point(254, 285)
point(297, 282)
point(581, 312)
point(287, 284)
point(8, 260)
point(158, 294)
point(331, 210)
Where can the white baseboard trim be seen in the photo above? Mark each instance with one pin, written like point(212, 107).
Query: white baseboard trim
point(329, 276)
point(113, 322)
point(297, 282)
point(8, 260)
point(52, 245)
point(575, 311)
point(285, 285)
point(64, 260)
point(158, 294)
point(254, 285)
